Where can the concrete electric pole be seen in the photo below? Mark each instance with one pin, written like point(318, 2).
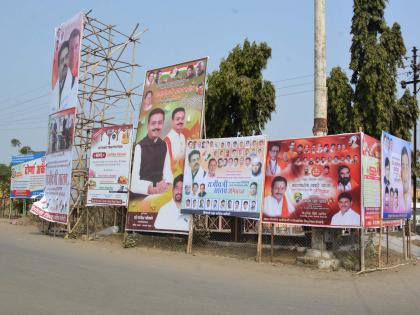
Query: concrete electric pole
point(320, 98)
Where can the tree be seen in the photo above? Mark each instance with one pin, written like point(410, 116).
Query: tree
point(340, 93)
point(15, 143)
point(239, 102)
point(377, 52)
point(5, 173)
point(23, 150)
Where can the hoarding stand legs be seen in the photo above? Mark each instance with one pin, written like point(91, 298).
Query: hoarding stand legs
point(362, 249)
point(190, 235)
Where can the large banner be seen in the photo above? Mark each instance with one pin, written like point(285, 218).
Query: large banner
point(314, 181)
point(396, 177)
point(55, 204)
point(171, 113)
point(28, 175)
point(66, 58)
point(371, 180)
point(109, 168)
point(224, 177)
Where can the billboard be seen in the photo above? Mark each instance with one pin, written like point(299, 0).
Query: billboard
point(313, 181)
point(171, 112)
point(396, 177)
point(28, 175)
point(109, 168)
point(224, 177)
point(55, 204)
point(66, 59)
point(371, 181)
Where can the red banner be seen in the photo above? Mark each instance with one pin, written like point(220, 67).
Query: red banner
point(314, 181)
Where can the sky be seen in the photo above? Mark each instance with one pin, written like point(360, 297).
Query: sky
point(180, 31)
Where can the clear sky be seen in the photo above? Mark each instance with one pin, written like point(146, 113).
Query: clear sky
point(178, 31)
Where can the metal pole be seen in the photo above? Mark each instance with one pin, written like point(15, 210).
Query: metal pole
point(387, 245)
point(415, 139)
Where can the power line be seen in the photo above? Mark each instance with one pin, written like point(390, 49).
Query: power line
point(24, 93)
point(26, 101)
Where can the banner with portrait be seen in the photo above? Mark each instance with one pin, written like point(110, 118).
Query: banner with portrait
point(109, 167)
point(28, 175)
point(55, 204)
point(396, 177)
point(224, 177)
point(170, 114)
point(66, 59)
point(313, 181)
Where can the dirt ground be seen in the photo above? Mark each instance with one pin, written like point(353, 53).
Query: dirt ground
point(49, 275)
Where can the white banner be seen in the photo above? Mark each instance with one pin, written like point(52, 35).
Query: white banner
point(109, 166)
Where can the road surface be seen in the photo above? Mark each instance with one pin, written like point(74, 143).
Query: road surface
point(45, 275)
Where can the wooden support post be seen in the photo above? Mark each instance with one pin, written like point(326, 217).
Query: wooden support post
point(404, 243)
point(10, 208)
point(409, 239)
point(362, 249)
point(387, 245)
point(272, 243)
point(259, 241)
point(190, 235)
point(24, 208)
point(380, 245)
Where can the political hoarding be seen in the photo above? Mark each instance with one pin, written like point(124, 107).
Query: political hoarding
point(28, 175)
point(224, 177)
point(109, 167)
point(371, 184)
point(54, 205)
point(170, 113)
point(66, 59)
point(371, 180)
point(395, 177)
point(314, 181)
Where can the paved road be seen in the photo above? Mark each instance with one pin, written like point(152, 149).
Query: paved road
point(44, 275)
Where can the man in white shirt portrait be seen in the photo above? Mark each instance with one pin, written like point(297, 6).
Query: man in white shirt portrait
point(169, 216)
point(194, 173)
point(277, 203)
point(175, 140)
point(346, 216)
point(151, 165)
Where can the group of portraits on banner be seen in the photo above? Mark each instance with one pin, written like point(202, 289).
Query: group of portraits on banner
point(170, 114)
point(314, 181)
point(396, 177)
point(224, 176)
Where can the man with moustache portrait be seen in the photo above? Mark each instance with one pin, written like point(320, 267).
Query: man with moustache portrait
point(175, 140)
point(151, 167)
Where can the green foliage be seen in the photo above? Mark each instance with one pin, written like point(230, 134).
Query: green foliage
point(26, 150)
point(23, 150)
point(15, 143)
point(5, 173)
point(238, 100)
point(403, 112)
point(340, 93)
point(377, 52)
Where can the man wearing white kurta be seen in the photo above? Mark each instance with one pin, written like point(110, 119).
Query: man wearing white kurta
point(346, 216)
point(169, 216)
point(175, 140)
point(151, 165)
point(277, 204)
